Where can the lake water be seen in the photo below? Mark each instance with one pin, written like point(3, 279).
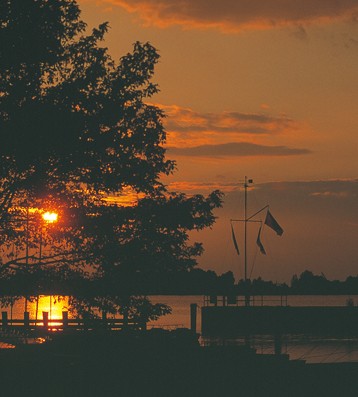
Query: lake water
point(313, 350)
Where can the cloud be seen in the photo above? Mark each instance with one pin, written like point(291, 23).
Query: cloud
point(185, 119)
point(227, 134)
point(342, 194)
point(283, 195)
point(334, 195)
point(236, 15)
point(299, 200)
point(236, 149)
point(201, 187)
point(187, 125)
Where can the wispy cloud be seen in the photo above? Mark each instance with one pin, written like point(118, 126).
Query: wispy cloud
point(312, 193)
point(341, 194)
point(187, 127)
point(202, 187)
point(236, 15)
point(227, 134)
point(236, 149)
point(185, 119)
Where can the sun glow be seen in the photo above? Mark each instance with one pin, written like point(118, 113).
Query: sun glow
point(54, 307)
point(50, 217)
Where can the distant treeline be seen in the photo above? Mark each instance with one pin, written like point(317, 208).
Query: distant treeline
point(193, 282)
point(201, 282)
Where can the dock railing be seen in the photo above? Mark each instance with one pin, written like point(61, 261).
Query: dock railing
point(240, 300)
point(65, 323)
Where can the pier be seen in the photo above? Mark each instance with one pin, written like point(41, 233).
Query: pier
point(230, 320)
point(16, 331)
point(240, 320)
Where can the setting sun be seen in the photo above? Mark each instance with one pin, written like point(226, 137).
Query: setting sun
point(50, 217)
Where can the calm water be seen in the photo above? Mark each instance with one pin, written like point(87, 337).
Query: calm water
point(313, 350)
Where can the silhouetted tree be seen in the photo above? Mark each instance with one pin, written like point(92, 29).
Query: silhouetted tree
point(77, 136)
point(226, 281)
point(309, 283)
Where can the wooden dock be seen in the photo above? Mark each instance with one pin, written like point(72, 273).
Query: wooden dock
point(231, 321)
point(17, 331)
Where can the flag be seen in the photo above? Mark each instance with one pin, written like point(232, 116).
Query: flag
point(234, 240)
point(259, 243)
point(271, 222)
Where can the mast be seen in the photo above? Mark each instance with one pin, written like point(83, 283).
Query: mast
point(245, 228)
point(246, 219)
point(271, 222)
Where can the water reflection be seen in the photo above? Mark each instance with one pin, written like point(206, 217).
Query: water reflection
point(4, 345)
point(312, 350)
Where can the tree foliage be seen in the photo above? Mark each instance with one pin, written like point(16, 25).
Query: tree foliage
point(77, 134)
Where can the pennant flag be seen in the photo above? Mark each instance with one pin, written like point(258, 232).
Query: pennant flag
point(234, 240)
point(259, 243)
point(271, 222)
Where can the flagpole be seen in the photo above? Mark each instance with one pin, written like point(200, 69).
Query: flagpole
point(269, 221)
point(245, 230)
point(247, 295)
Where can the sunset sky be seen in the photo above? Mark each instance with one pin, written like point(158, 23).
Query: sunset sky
point(267, 89)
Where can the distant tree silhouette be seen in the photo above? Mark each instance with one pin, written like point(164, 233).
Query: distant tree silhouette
point(77, 136)
point(309, 283)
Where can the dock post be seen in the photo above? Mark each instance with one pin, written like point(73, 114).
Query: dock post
point(45, 319)
point(278, 343)
point(193, 312)
point(104, 318)
point(26, 319)
point(247, 340)
point(65, 319)
point(86, 319)
point(4, 319)
point(125, 320)
point(213, 300)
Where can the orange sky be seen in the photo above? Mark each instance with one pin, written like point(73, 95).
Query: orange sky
point(267, 89)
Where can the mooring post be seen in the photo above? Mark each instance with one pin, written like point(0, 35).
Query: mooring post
point(65, 319)
point(26, 319)
point(143, 326)
point(278, 343)
point(213, 300)
point(193, 312)
point(45, 319)
point(4, 319)
point(86, 319)
point(104, 318)
point(125, 320)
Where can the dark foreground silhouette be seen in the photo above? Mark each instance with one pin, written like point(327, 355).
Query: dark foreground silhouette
point(162, 363)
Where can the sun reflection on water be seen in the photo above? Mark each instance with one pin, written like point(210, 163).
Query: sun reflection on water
point(53, 305)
